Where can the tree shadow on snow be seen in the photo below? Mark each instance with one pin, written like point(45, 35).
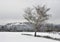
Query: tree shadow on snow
point(43, 37)
point(48, 37)
point(28, 34)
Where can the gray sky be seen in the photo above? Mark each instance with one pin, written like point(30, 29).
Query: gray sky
point(12, 10)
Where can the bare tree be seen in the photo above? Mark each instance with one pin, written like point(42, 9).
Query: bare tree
point(36, 15)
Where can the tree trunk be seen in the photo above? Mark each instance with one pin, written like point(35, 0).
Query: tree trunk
point(35, 34)
point(35, 31)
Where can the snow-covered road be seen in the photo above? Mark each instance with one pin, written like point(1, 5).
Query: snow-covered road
point(17, 37)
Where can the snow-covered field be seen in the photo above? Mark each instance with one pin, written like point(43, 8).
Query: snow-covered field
point(18, 37)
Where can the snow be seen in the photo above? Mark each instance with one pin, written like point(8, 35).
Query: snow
point(18, 37)
point(53, 35)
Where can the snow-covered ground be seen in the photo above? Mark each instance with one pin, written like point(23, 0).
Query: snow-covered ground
point(18, 37)
point(50, 34)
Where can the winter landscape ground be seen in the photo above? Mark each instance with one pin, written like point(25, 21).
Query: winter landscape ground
point(19, 37)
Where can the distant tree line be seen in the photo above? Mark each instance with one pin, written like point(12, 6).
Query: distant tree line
point(45, 28)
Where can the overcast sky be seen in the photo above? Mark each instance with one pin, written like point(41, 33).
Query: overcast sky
point(13, 10)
